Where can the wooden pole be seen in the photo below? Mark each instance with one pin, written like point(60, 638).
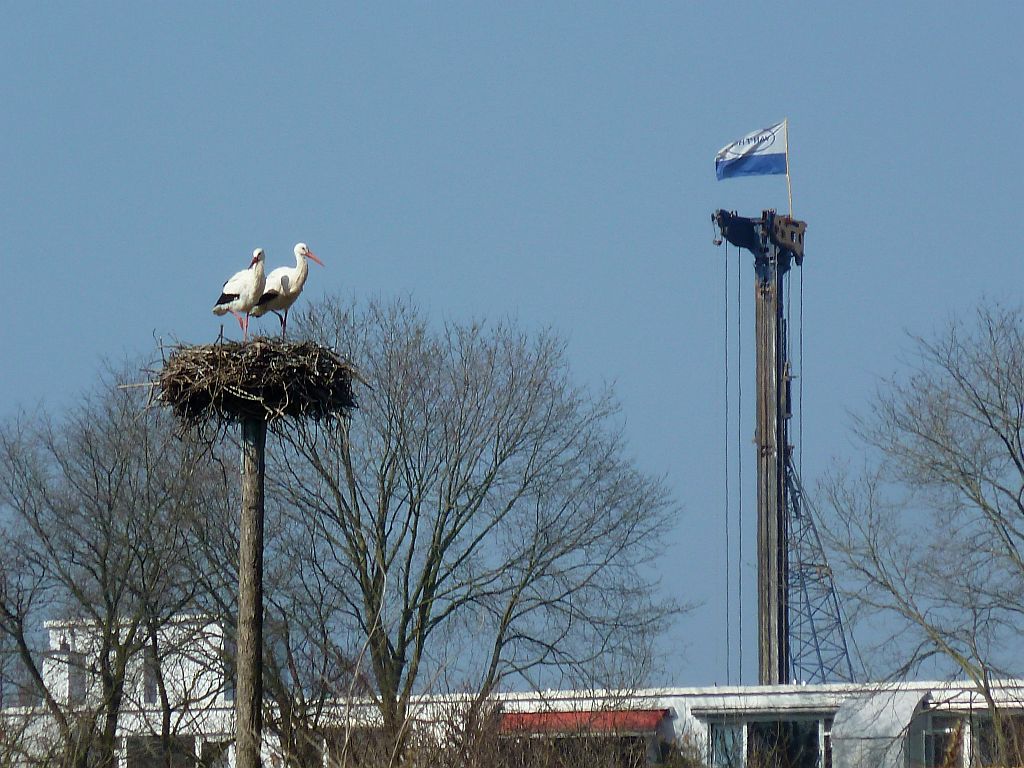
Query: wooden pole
point(249, 659)
point(772, 444)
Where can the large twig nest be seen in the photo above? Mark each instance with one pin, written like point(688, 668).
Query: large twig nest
point(263, 379)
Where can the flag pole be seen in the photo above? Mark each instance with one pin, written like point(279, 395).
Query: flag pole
point(789, 185)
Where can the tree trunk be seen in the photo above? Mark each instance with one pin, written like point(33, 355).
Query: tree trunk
point(249, 663)
point(113, 692)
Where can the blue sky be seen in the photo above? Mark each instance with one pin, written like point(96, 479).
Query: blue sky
point(551, 162)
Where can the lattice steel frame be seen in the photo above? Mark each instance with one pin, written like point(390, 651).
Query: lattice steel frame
point(818, 651)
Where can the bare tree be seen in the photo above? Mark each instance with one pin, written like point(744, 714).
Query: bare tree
point(930, 533)
point(476, 520)
point(97, 505)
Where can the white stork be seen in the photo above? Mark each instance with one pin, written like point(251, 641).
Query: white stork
point(241, 292)
point(284, 285)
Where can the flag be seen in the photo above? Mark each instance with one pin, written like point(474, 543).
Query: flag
point(760, 153)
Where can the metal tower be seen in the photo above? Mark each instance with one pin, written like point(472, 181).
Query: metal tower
point(800, 631)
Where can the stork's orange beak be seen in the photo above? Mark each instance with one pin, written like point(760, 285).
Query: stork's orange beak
point(314, 258)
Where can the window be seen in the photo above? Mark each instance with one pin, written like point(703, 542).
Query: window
point(943, 741)
point(991, 751)
point(727, 745)
point(783, 744)
point(150, 671)
point(230, 652)
point(76, 678)
point(805, 743)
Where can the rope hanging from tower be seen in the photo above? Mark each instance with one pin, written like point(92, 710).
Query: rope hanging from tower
point(733, 524)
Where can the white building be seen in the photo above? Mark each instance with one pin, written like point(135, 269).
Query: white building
point(805, 726)
point(188, 661)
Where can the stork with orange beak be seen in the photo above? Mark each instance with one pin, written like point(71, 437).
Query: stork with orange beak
point(284, 285)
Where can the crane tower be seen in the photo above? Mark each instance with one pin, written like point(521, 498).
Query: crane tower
point(800, 631)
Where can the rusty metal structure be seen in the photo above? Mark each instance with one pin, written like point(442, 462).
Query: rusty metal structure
point(800, 629)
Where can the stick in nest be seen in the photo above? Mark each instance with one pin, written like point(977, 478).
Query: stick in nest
point(264, 379)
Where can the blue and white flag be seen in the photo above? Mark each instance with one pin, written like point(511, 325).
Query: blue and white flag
point(761, 153)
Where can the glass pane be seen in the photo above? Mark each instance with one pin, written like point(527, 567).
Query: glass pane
point(992, 751)
point(783, 744)
point(943, 742)
point(726, 745)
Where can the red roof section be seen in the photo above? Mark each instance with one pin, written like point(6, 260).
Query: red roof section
point(612, 721)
